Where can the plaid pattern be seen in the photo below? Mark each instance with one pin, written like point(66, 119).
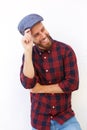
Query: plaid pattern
point(56, 65)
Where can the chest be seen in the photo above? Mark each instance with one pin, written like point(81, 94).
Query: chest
point(49, 66)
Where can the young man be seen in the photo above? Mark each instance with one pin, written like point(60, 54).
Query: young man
point(49, 69)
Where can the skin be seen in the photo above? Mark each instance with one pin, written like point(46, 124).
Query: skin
point(39, 36)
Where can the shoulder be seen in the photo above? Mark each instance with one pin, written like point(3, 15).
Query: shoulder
point(63, 45)
point(63, 48)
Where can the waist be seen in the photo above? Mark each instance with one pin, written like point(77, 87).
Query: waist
point(50, 103)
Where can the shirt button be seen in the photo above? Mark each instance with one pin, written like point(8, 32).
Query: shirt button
point(49, 82)
point(48, 51)
point(53, 107)
point(45, 57)
point(46, 70)
point(51, 117)
point(40, 53)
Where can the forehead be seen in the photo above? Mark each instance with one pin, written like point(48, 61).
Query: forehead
point(37, 27)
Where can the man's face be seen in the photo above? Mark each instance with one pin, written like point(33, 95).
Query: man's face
point(40, 36)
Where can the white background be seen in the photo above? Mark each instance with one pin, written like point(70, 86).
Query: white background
point(66, 20)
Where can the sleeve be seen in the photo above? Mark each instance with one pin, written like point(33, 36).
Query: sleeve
point(27, 83)
point(71, 80)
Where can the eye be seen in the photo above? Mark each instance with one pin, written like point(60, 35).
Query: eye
point(37, 34)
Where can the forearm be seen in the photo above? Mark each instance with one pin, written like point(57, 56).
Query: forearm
point(27, 42)
point(28, 68)
point(54, 88)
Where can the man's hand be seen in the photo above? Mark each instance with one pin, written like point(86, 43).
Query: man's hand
point(37, 89)
point(27, 40)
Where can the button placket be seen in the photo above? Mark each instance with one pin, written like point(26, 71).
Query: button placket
point(45, 62)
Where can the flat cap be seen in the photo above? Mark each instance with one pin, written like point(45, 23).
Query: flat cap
point(28, 22)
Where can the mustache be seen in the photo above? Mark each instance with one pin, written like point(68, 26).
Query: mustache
point(48, 36)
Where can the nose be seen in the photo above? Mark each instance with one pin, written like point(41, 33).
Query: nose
point(42, 35)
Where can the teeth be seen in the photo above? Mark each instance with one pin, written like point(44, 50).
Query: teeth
point(44, 40)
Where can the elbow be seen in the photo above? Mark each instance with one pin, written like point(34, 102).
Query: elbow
point(24, 81)
point(28, 83)
point(74, 85)
point(70, 85)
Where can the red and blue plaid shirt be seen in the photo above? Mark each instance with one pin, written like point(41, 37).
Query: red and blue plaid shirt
point(56, 65)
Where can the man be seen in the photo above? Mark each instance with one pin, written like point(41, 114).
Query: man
point(49, 69)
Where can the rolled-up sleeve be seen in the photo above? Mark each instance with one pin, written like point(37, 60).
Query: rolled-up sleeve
point(71, 80)
point(27, 83)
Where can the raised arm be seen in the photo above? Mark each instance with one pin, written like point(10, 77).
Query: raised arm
point(27, 74)
point(27, 43)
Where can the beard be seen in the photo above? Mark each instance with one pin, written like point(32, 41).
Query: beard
point(45, 43)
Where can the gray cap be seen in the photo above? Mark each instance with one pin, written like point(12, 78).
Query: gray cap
point(28, 22)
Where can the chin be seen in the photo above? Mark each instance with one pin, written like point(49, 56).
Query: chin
point(46, 47)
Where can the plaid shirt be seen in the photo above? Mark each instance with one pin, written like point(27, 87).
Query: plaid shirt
point(56, 65)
